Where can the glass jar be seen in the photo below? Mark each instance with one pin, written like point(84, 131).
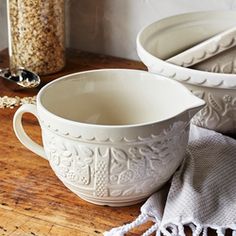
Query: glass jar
point(36, 35)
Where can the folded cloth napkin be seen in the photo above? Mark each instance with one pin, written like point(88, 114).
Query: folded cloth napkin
point(202, 192)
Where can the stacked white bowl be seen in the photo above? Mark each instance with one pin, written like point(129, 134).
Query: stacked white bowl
point(170, 36)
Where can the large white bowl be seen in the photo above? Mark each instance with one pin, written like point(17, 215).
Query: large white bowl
point(112, 136)
point(166, 38)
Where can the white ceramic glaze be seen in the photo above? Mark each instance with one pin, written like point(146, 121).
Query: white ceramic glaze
point(206, 49)
point(168, 37)
point(225, 62)
point(112, 136)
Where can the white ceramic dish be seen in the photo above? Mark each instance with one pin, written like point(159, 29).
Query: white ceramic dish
point(225, 62)
point(206, 49)
point(168, 37)
point(112, 136)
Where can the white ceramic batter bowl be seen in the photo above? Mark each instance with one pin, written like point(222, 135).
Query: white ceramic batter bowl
point(112, 136)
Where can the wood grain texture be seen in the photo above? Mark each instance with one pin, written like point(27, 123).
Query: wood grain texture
point(33, 201)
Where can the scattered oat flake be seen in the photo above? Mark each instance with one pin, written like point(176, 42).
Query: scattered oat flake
point(11, 102)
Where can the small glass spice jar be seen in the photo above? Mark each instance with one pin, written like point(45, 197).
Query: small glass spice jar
point(36, 35)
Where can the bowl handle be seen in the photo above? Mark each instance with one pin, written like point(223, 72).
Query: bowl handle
point(20, 132)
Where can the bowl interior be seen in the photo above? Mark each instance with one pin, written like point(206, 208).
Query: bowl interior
point(116, 97)
point(170, 36)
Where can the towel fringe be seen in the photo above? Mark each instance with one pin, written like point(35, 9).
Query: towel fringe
point(167, 230)
point(197, 230)
point(234, 232)
point(174, 229)
point(158, 232)
point(122, 230)
point(152, 229)
point(192, 227)
point(181, 230)
point(170, 230)
point(220, 231)
point(204, 232)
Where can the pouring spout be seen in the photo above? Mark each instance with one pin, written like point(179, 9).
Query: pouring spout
point(196, 107)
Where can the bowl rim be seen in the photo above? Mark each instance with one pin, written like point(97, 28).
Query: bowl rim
point(182, 74)
point(41, 107)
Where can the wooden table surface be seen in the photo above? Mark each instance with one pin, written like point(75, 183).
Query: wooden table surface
point(32, 199)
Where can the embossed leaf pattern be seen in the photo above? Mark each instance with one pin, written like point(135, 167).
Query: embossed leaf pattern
point(162, 152)
point(67, 153)
point(215, 68)
point(63, 171)
point(116, 193)
point(139, 168)
point(74, 162)
point(155, 164)
point(126, 176)
point(114, 178)
point(119, 155)
point(214, 104)
point(86, 151)
point(152, 158)
point(116, 167)
point(127, 167)
point(228, 67)
point(52, 148)
point(135, 154)
point(199, 118)
point(157, 145)
point(118, 161)
point(85, 156)
point(88, 161)
point(205, 110)
point(72, 176)
point(129, 171)
point(55, 159)
point(80, 162)
point(212, 115)
point(84, 175)
point(66, 163)
point(129, 191)
point(146, 150)
point(218, 114)
point(61, 146)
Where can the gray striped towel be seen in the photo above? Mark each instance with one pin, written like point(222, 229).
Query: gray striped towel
point(202, 193)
